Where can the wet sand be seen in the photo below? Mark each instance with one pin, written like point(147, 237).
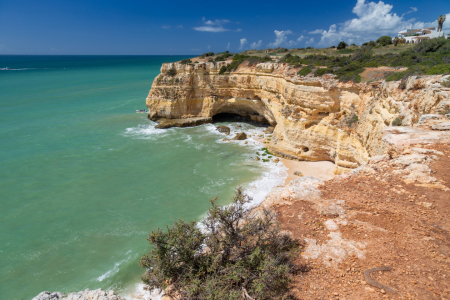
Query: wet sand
point(319, 169)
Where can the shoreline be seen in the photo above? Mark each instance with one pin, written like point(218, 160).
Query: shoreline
point(318, 169)
point(274, 175)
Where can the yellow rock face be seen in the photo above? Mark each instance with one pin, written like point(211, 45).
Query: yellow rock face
point(314, 118)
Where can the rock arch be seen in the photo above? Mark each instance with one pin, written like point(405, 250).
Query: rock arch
point(254, 110)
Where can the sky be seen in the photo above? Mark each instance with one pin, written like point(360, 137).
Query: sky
point(145, 27)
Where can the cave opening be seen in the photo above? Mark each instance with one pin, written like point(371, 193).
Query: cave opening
point(255, 119)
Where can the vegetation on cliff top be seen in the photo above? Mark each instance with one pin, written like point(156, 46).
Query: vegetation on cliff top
point(239, 254)
point(430, 57)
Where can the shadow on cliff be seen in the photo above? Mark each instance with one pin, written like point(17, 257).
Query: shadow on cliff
point(256, 120)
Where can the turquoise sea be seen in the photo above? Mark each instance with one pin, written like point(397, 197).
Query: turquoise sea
point(84, 178)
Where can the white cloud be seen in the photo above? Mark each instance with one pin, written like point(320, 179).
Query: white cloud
point(180, 26)
point(228, 46)
point(238, 30)
point(209, 47)
point(412, 9)
point(165, 26)
point(243, 43)
point(256, 45)
point(213, 26)
point(310, 41)
point(317, 31)
point(373, 20)
point(280, 38)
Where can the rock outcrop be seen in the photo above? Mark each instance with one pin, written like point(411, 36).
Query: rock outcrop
point(223, 129)
point(315, 118)
point(84, 295)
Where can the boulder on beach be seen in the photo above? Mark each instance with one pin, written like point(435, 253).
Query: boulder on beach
point(269, 130)
point(223, 129)
point(240, 136)
point(298, 173)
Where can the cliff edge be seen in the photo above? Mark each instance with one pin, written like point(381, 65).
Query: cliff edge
point(315, 118)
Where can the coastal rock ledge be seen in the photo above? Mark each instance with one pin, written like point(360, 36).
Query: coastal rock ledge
point(314, 118)
point(84, 295)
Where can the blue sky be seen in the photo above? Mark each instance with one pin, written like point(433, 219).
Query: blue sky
point(194, 27)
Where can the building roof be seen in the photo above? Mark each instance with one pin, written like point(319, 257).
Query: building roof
point(407, 31)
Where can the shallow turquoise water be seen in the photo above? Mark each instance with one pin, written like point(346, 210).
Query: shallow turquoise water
point(84, 179)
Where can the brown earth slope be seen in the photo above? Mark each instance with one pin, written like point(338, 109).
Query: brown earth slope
point(384, 214)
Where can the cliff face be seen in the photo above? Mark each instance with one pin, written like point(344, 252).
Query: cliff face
point(314, 118)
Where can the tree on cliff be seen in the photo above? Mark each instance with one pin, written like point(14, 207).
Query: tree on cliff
point(238, 255)
point(441, 21)
point(384, 40)
point(342, 45)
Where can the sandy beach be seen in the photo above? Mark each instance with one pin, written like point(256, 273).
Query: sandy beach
point(320, 169)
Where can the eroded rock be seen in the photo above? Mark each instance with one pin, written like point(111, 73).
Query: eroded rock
point(223, 129)
point(240, 136)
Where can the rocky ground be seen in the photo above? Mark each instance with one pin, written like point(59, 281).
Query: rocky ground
point(392, 212)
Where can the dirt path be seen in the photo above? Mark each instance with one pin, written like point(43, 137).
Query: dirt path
point(374, 74)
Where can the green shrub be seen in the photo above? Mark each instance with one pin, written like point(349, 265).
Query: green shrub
point(304, 71)
point(445, 110)
point(446, 83)
point(397, 122)
point(384, 40)
point(223, 69)
point(223, 57)
point(342, 45)
point(345, 51)
point(430, 45)
point(171, 72)
point(439, 69)
point(323, 71)
point(238, 253)
point(352, 120)
point(350, 72)
point(362, 54)
point(207, 54)
point(396, 76)
point(371, 44)
point(186, 61)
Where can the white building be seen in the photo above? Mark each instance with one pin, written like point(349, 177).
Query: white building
point(417, 35)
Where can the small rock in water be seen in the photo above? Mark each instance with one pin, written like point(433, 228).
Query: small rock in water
point(276, 160)
point(298, 173)
point(245, 143)
point(240, 136)
point(257, 158)
point(223, 129)
point(238, 125)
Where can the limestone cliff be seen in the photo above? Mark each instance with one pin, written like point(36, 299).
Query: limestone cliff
point(315, 118)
